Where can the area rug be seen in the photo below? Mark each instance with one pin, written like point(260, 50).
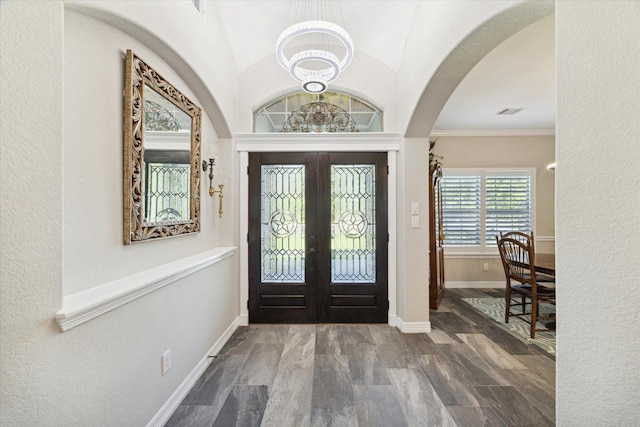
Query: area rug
point(494, 309)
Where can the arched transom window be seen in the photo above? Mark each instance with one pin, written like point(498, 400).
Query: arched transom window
point(302, 112)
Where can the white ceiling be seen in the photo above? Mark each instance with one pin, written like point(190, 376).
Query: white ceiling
point(519, 73)
point(253, 26)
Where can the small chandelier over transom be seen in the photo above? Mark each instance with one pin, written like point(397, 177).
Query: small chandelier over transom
point(319, 49)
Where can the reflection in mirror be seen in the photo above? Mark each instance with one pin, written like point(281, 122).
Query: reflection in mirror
point(162, 154)
point(167, 151)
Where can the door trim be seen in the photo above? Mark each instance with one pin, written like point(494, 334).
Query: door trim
point(365, 142)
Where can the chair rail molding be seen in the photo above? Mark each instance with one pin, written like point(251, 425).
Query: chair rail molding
point(480, 284)
point(83, 306)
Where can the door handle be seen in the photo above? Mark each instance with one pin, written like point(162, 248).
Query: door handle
point(312, 242)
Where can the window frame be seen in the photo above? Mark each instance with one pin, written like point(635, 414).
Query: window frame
point(483, 248)
point(282, 107)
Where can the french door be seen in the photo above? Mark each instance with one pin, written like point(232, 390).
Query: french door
point(318, 239)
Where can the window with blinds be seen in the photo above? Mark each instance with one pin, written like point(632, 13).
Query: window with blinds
point(461, 213)
point(507, 206)
point(478, 204)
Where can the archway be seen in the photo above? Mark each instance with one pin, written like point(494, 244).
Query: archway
point(464, 57)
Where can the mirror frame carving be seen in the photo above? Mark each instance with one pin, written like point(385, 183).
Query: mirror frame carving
point(138, 74)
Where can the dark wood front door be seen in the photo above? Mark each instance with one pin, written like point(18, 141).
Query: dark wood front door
point(318, 239)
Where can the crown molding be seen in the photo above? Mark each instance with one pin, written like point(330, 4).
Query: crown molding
point(493, 132)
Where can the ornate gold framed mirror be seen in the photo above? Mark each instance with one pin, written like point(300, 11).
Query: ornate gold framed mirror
point(161, 156)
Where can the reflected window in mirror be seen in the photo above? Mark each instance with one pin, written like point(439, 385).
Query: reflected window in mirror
point(162, 154)
point(167, 186)
point(167, 149)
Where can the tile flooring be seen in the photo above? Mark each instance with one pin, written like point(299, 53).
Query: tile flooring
point(467, 372)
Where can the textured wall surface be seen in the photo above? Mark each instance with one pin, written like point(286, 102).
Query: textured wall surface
point(597, 229)
point(31, 242)
point(106, 371)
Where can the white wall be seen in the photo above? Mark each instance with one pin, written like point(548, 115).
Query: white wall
point(31, 221)
point(94, 81)
point(413, 243)
point(61, 224)
point(265, 81)
point(195, 46)
point(597, 204)
point(515, 151)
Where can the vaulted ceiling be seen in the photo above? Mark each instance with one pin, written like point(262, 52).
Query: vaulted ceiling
point(518, 74)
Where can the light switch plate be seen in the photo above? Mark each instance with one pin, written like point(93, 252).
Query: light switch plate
point(415, 208)
point(415, 221)
point(166, 362)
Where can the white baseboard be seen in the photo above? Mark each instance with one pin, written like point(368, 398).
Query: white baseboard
point(183, 389)
point(393, 320)
point(413, 327)
point(243, 320)
point(226, 335)
point(474, 285)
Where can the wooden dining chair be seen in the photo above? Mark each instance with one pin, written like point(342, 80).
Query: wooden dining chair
point(529, 240)
point(518, 259)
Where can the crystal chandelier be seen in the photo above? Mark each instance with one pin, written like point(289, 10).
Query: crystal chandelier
point(315, 65)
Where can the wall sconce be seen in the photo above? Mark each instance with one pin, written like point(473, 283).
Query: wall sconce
point(222, 178)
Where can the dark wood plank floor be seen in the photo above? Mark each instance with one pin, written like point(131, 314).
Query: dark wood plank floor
point(468, 372)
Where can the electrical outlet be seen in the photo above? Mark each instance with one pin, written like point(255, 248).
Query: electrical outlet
point(485, 266)
point(166, 362)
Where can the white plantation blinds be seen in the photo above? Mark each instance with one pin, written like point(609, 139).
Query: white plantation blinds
point(508, 205)
point(461, 210)
point(478, 204)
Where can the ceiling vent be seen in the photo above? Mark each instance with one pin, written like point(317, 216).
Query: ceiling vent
point(510, 111)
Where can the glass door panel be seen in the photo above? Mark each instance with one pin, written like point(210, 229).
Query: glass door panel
point(282, 223)
point(353, 224)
